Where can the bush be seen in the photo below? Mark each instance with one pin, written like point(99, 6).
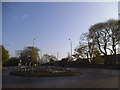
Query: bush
point(98, 60)
point(13, 61)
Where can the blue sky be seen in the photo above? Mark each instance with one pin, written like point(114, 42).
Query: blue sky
point(51, 24)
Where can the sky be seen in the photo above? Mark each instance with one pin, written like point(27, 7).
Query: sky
point(51, 24)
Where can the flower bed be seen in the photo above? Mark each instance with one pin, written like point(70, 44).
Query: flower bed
point(45, 72)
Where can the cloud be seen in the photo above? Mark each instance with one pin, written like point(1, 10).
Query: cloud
point(24, 16)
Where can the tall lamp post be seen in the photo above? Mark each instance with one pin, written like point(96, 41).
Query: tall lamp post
point(57, 55)
point(33, 42)
point(70, 46)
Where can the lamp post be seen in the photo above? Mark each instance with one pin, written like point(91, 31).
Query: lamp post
point(70, 46)
point(33, 42)
point(57, 55)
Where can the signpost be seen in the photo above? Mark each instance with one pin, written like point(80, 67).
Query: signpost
point(29, 60)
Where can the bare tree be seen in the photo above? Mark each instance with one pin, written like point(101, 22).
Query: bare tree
point(85, 47)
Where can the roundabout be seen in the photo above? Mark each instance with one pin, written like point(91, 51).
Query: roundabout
point(44, 72)
point(88, 78)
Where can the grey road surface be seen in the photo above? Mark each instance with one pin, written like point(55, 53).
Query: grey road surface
point(89, 78)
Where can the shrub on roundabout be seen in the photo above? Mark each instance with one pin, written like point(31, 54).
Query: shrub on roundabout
point(44, 72)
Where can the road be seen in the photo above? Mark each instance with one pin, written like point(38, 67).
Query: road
point(89, 78)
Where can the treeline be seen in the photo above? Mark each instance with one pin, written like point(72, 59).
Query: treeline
point(29, 55)
point(66, 62)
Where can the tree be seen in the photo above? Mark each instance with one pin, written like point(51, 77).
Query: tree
point(13, 61)
point(103, 38)
point(97, 59)
point(85, 48)
point(49, 58)
point(119, 37)
point(114, 33)
point(63, 62)
point(81, 51)
point(5, 55)
point(106, 35)
point(70, 58)
point(30, 53)
point(100, 36)
point(76, 56)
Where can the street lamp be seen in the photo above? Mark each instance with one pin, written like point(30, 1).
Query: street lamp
point(70, 46)
point(33, 42)
point(57, 55)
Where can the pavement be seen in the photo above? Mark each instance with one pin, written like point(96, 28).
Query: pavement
point(89, 78)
